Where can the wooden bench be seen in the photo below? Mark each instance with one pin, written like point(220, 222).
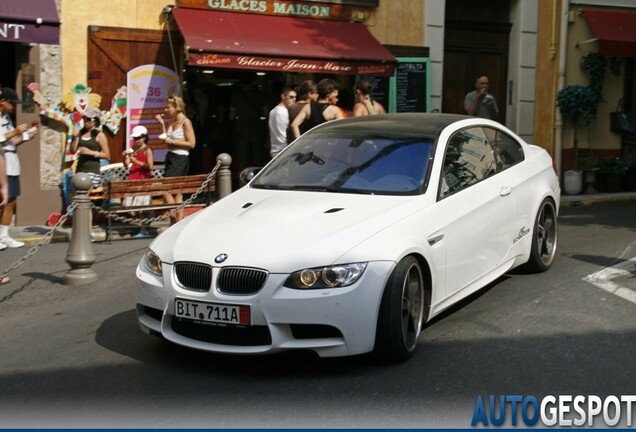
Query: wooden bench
point(114, 192)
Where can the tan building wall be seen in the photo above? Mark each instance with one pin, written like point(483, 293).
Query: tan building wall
point(142, 14)
point(403, 25)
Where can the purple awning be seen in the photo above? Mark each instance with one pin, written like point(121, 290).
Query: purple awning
point(29, 21)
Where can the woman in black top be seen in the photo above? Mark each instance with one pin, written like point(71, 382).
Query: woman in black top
point(91, 145)
point(315, 113)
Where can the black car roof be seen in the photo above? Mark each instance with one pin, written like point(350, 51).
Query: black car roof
point(429, 124)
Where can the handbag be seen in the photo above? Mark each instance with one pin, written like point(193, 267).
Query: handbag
point(622, 122)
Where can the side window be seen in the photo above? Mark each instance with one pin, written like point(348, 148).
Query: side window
point(469, 159)
point(508, 151)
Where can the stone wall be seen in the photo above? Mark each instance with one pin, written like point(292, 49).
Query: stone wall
point(52, 136)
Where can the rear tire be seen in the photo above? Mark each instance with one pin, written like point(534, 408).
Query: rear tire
point(545, 235)
point(401, 312)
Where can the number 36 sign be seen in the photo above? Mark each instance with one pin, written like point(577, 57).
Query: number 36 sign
point(148, 87)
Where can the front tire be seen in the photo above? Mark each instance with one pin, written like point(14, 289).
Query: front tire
point(545, 235)
point(401, 312)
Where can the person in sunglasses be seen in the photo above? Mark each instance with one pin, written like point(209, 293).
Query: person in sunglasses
point(278, 122)
point(91, 145)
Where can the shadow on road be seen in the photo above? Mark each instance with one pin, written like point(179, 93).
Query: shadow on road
point(121, 334)
point(49, 277)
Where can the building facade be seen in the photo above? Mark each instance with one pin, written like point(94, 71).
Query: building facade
point(530, 49)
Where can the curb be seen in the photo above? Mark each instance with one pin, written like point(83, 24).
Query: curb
point(578, 200)
point(34, 234)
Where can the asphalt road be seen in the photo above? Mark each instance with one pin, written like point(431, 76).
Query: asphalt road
point(74, 356)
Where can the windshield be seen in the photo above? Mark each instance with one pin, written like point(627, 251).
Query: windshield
point(351, 162)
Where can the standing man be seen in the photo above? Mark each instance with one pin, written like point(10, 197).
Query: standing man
point(10, 138)
point(480, 103)
point(279, 121)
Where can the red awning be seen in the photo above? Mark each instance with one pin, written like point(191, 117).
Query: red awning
point(29, 21)
point(264, 42)
point(615, 32)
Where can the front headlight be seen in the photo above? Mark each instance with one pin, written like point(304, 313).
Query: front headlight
point(336, 276)
point(153, 262)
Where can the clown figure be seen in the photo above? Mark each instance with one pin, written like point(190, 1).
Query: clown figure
point(70, 112)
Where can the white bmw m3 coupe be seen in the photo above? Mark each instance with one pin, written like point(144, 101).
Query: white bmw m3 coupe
point(352, 238)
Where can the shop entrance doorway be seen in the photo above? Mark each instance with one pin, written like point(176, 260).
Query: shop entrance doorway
point(476, 43)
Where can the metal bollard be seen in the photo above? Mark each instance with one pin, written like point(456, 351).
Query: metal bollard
point(80, 254)
point(224, 175)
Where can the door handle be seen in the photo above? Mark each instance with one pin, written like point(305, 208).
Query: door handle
point(505, 190)
point(434, 239)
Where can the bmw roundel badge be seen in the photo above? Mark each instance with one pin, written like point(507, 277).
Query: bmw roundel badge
point(220, 258)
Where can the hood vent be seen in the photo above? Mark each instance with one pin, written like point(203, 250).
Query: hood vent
point(246, 205)
point(334, 210)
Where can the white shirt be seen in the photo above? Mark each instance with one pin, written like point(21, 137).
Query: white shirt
point(179, 135)
point(278, 122)
point(8, 146)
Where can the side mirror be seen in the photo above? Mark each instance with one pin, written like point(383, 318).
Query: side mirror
point(248, 174)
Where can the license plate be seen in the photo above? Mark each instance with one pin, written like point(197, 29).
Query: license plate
point(212, 312)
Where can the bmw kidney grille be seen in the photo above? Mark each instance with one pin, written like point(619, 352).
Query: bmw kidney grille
point(231, 280)
point(241, 281)
point(194, 276)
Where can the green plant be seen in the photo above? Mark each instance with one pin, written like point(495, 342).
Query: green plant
point(589, 162)
point(612, 166)
point(595, 65)
point(578, 103)
point(615, 65)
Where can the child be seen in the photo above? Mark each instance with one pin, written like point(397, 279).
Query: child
point(140, 161)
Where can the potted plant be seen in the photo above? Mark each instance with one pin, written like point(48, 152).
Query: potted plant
point(612, 170)
point(589, 164)
point(577, 103)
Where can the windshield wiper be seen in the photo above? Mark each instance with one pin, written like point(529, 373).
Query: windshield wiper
point(314, 188)
point(356, 191)
point(268, 186)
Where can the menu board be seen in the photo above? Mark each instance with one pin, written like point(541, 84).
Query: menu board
point(381, 87)
point(407, 90)
point(410, 86)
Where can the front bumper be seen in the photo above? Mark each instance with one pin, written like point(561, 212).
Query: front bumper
point(331, 322)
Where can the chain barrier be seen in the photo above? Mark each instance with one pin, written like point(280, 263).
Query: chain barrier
point(137, 221)
point(45, 240)
point(147, 221)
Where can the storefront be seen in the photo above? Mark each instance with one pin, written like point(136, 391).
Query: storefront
point(29, 38)
point(275, 44)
